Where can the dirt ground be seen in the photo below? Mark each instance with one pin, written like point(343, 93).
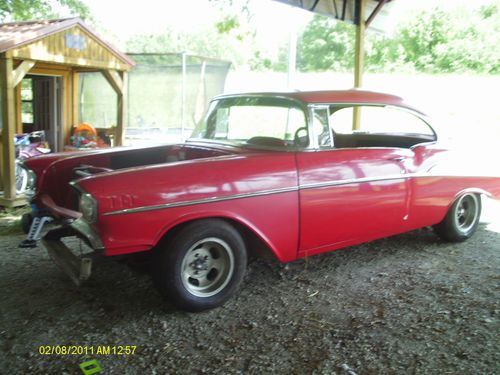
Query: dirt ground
point(410, 304)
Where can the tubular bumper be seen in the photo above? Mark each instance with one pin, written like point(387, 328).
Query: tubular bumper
point(77, 268)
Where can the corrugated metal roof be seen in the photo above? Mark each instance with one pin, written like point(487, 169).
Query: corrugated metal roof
point(17, 34)
point(345, 10)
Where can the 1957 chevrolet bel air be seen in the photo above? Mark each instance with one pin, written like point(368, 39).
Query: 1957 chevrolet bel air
point(282, 172)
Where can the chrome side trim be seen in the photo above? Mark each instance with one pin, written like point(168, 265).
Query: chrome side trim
point(256, 194)
point(354, 181)
point(200, 201)
point(351, 181)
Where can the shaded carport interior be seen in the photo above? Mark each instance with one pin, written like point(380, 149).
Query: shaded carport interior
point(53, 48)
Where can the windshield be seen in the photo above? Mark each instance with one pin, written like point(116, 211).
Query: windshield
point(254, 121)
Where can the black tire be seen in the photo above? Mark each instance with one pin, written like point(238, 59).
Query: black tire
point(462, 219)
point(26, 220)
point(202, 266)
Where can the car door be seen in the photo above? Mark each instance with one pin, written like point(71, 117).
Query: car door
point(351, 195)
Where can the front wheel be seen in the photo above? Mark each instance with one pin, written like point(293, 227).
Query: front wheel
point(462, 219)
point(202, 265)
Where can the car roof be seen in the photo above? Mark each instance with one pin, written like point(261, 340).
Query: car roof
point(352, 96)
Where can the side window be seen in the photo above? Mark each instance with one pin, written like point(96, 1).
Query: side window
point(321, 127)
point(221, 123)
point(27, 101)
point(379, 120)
point(245, 122)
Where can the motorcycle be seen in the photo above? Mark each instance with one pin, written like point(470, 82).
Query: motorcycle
point(27, 146)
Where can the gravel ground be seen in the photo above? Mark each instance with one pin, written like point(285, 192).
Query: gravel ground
point(408, 304)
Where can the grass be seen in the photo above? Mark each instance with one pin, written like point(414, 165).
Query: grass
point(10, 220)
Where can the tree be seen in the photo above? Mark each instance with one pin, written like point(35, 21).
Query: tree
point(433, 41)
point(232, 37)
point(19, 10)
point(326, 44)
point(436, 41)
point(207, 43)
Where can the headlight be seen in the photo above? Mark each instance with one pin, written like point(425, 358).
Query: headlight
point(88, 208)
point(30, 189)
point(31, 185)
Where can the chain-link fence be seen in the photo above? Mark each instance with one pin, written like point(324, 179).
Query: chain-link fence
point(167, 95)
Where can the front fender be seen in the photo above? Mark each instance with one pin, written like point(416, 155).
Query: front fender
point(273, 218)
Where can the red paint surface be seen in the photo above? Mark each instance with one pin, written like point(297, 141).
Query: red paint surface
point(303, 220)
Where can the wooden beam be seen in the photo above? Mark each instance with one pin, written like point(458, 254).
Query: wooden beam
point(19, 73)
point(8, 128)
point(114, 79)
point(20, 200)
point(375, 11)
point(359, 57)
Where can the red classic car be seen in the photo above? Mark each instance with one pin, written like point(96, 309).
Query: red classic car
point(282, 172)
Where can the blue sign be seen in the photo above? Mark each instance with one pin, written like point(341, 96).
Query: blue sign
point(74, 41)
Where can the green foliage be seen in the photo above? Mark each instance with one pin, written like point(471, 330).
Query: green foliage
point(436, 41)
point(203, 43)
point(10, 220)
point(227, 24)
point(326, 44)
point(424, 37)
point(21, 10)
point(231, 38)
point(432, 41)
point(209, 43)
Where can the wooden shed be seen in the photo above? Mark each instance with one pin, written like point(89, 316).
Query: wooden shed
point(49, 55)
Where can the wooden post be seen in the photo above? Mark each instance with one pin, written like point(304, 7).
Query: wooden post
point(122, 111)
point(19, 109)
point(292, 58)
point(184, 91)
point(119, 82)
point(359, 57)
point(8, 130)
point(75, 115)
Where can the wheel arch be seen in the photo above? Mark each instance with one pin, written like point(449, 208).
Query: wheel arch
point(473, 190)
point(459, 193)
point(256, 242)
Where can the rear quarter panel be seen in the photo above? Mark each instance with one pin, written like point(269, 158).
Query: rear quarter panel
point(441, 175)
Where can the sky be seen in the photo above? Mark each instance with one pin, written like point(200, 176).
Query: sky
point(127, 17)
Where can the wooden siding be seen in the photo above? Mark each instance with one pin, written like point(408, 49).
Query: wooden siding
point(73, 46)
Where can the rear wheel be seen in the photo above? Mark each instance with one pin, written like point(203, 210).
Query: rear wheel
point(462, 219)
point(201, 266)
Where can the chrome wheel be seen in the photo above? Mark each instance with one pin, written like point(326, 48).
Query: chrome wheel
point(466, 212)
point(201, 265)
point(207, 267)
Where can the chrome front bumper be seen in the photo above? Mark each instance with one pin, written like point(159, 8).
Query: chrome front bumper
point(77, 268)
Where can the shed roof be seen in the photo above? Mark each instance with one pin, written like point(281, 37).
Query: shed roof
point(17, 34)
